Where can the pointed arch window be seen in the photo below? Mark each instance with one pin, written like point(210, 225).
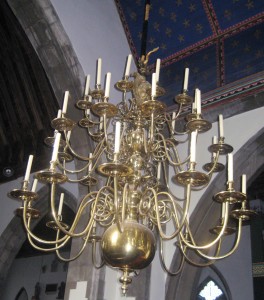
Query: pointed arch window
point(209, 290)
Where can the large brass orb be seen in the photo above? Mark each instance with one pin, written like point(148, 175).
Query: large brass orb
point(133, 249)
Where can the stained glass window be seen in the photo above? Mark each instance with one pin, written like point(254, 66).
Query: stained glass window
point(210, 291)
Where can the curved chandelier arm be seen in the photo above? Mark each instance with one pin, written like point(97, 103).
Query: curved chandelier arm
point(66, 239)
point(30, 233)
point(162, 260)
point(179, 227)
point(95, 264)
point(233, 248)
point(77, 255)
point(175, 152)
point(79, 212)
point(206, 246)
point(192, 262)
point(214, 163)
point(96, 152)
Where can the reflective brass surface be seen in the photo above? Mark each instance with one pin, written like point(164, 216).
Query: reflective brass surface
point(124, 85)
point(199, 124)
point(104, 108)
point(51, 177)
point(83, 104)
point(31, 212)
point(88, 180)
point(229, 196)
point(134, 248)
point(53, 225)
point(23, 195)
point(62, 124)
point(228, 230)
point(65, 156)
point(222, 148)
point(195, 178)
point(152, 106)
point(86, 123)
point(183, 99)
point(244, 214)
point(218, 167)
point(49, 141)
point(114, 169)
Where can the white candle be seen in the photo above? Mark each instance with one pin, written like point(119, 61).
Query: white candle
point(69, 136)
point(65, 102)
point(88, 112)
point(198, 101)
point(90, 162)
point(29, 165)
point(230, 167)
point(128, 64)
point(117, 137)
point(244, 184)
point(107, 85)
point(101, 125)
point(34, 185)
point(186, 78)
point(159, 170)
point(153, 86)
point(221, 126)
point(223, 210)
point(61, 204)
point(59, 114)
point(157, 70)
point(99, 70)
point(193, 146)
point(56, 147)
point(214, 140)
point(87, 85)
point(173, 120)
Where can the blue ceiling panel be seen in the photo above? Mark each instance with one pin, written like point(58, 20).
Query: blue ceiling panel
point(249, 44)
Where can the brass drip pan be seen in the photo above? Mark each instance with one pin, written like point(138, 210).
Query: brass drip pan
point(63, 124)
point(195, 178)
point(218, 167)
point(183, 99)
point(104, 108)
point(221, 148)
point(23, 195)
point(88, 180)
point(244, 214)
point(97, 94)
point(51, 177)
point(159, 91)
point(86, 123)
point(83, 104)
point(115, 169)
point(217, 229)
point(49, 141)
point(31, 212)
point(65, 156)
point(231, 197)
point(53, 225)
point(199, 124)
point(124, 85)
point(152, 106)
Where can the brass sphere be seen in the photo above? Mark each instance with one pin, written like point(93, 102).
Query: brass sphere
point(133, 249)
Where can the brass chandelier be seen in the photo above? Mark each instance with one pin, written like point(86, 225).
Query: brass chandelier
point(136, 143)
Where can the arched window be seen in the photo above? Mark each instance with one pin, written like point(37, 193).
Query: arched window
point(209, 290)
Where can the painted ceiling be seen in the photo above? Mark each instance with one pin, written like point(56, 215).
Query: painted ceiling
point(220, 41)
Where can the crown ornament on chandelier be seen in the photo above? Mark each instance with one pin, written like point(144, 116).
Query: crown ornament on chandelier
point(135, 144)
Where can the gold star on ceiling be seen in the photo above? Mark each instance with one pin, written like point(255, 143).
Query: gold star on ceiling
point(192, 7)
point(173, 17)
point(162, 11)
point(181, 38)
point(227, 14)
point(199, 28)
point(250, 4)
point(186, 23)
point(156, 26)
point(179, 2)
point(168, 32)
